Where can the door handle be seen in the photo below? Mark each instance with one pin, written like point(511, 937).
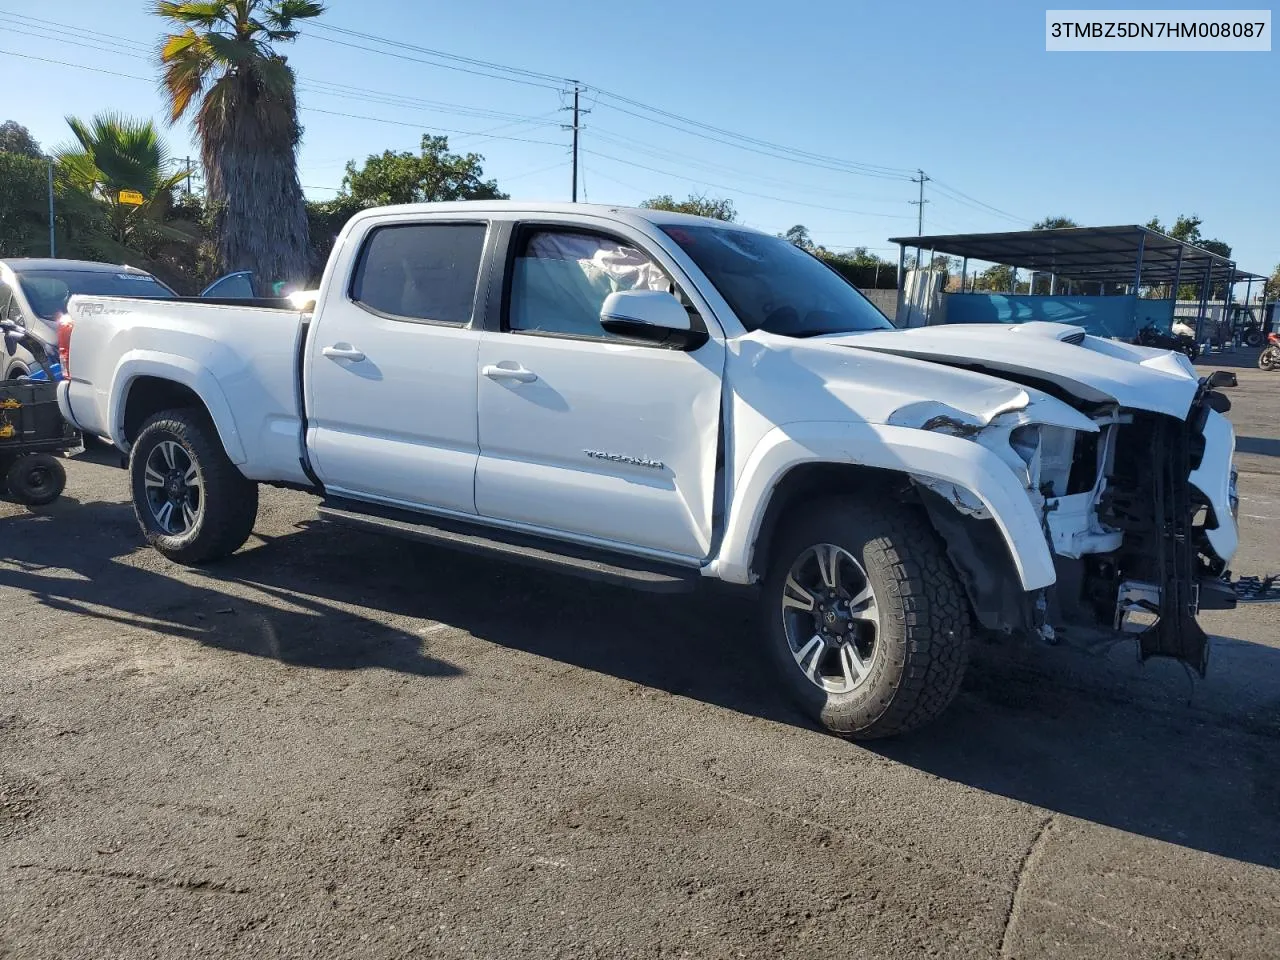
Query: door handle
point(499, 372)
point(342, 352)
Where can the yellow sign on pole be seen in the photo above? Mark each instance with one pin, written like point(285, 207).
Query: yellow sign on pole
point(132, 197)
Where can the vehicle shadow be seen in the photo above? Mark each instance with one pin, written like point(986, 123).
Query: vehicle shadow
point(1091, 735)
point(94, 541)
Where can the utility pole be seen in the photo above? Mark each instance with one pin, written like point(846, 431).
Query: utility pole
point(575, 127)
point(53, 246)
point(920, 203)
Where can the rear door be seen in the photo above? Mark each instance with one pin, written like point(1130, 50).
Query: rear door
point(391, 385)
point(584, 434)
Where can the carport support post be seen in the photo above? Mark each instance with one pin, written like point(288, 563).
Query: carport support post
point(1226, 303)
point(1177, 281)
point(1137, 274)
point(1204, 298)
point(964, 274)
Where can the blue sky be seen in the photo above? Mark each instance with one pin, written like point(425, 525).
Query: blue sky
point(964, 91)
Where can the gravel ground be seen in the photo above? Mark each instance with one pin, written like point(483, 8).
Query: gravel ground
point(338, 745)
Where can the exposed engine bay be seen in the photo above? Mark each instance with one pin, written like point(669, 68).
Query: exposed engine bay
point(1137, 505)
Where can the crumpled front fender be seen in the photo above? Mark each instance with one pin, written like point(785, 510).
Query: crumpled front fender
point(905, 450)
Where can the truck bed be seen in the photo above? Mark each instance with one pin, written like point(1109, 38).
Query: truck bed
point(241, 356)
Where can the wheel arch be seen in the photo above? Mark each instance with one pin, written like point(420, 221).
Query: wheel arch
point(793, 463)
point(150, 384)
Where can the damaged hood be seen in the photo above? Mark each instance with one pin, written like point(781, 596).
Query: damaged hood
point(1094, 369)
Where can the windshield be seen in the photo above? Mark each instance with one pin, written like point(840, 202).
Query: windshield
point(48, 290)
point(773, 285)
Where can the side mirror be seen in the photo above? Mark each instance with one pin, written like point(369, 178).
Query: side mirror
point(652, 315)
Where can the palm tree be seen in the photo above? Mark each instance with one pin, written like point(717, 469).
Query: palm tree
point(114, 153)
point(223, 67)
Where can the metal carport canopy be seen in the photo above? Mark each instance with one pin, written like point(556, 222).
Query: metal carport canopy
point(1108, 254)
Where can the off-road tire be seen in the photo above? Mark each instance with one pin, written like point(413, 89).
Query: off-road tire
point(36, 479)
point(925, 623)
point(230, 500)
point(1269, 359)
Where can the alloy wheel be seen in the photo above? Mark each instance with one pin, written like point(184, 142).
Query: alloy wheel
point(831, 618)
point(174, 488)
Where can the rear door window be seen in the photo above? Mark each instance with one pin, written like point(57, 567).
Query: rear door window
point(425, 272)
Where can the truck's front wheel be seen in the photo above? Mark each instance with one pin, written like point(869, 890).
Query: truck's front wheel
point(865, 618)
point(192, 503)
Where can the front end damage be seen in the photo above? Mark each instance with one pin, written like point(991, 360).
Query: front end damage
point(1137, 507)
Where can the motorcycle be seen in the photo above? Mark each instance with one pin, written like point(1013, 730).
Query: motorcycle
point(1269, 358)
point(1181, 339)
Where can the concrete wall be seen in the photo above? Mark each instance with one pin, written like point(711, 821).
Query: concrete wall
point(885, 300)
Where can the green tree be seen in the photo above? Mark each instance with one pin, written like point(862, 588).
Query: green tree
point(697, 204)
point(15, 138)
point(79, 222)
point(114, 153)
point(997, 279)
point(221, 68)
point(799, 235)
point(431, 176)
point(1054, 223)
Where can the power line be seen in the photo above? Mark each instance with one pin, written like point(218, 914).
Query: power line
point(398, 100)
point(963, 197)
point(857, 166)
point(431, 63)
point(757, 150)
point(472, 61)
point(765, 196)
point(76, 66)
point(429, 127)
point(632, 144)
point(344, 91)
point(652, 114)
point(63, 28)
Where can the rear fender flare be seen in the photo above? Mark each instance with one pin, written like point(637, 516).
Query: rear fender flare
point(181, 370)
point(903, 450)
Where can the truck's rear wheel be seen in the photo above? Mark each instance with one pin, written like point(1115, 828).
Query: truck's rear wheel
point(192, 503)
point(865, 618)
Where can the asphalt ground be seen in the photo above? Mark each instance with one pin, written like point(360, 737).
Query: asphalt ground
point(339, 745)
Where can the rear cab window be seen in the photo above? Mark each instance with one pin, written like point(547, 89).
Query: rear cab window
point(422, 272)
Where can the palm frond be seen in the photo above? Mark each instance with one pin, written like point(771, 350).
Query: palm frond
point(283, 14)
point(232, 51)
point(193, 13)
point(76, 168)
point(187, 61)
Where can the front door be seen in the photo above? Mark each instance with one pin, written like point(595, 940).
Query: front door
point(585, 434)
point(391, 384)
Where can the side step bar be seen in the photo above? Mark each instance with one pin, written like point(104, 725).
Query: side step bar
point(598, 565)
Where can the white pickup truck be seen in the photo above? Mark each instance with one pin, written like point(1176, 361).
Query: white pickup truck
point(657, 399)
